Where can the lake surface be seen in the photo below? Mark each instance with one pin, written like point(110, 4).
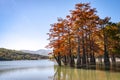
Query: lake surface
point(48, 70)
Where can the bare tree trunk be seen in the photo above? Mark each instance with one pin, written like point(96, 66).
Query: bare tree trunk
point(92, 55)
point(113, 59)
point(71, 61)
point(87, 47)
point(64, 60)
point(92, 59)
point(71, 57)
point(58, 59)
point(78, 54)
point(106, 56)
point(90, 50)
point(84, 54)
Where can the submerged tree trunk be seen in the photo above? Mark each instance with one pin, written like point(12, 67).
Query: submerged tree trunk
point(92, 55)
point(78, 61)
point(113, 59)
point(87, 58)
point(84, 54)
point(87, 47)
point(64, 60)
point(78, 54)
point(106, 56)
point(93, 60)
point(106, 59)
point(71, 57)
point(58, 59)
point(71, 61)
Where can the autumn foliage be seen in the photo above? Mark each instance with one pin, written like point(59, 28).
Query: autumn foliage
point(81, 36)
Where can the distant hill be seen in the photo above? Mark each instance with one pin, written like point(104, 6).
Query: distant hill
point(7, 54)
point(40, 52)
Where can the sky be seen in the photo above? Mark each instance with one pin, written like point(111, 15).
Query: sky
point(24, 23)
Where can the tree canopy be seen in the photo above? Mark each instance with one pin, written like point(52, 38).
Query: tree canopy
point(84, 35)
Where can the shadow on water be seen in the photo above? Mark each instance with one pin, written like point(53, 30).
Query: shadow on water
point(111, 68)
point(98, 72)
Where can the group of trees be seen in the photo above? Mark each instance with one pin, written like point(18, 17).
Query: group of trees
point(83, 36)
point(7, 54)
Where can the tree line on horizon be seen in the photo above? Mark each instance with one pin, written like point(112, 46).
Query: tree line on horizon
point(8, 54)
point(84, 36)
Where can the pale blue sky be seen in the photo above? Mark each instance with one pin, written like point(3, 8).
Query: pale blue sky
point(24, 23)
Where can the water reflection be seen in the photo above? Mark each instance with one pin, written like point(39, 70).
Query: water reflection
point(67, 73)
point(48, 70)
point(27, 70)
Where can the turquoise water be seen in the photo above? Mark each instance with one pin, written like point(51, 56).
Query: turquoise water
point(48, 70)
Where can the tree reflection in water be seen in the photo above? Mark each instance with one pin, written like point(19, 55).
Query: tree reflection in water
point(91, 73)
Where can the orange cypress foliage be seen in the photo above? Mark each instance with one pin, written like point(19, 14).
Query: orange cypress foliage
point(78, 34)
